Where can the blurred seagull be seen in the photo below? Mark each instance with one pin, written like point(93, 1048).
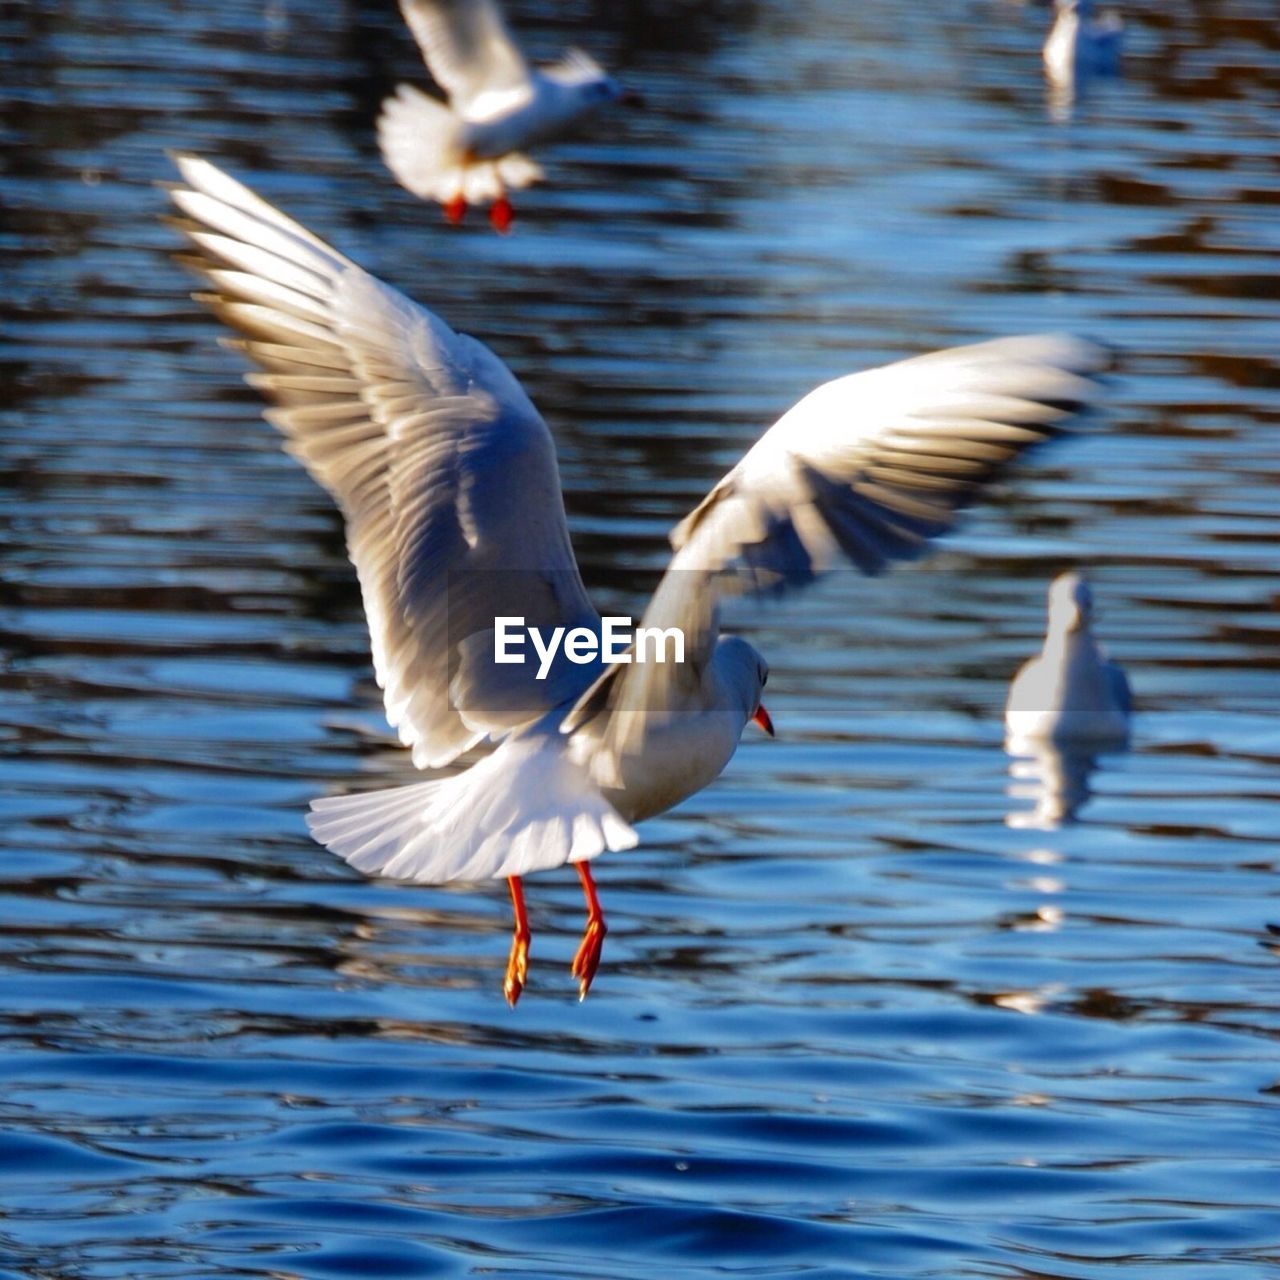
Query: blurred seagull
point(446, 475)
point(1071, 692)
point(470, 151)
point(1082, 44)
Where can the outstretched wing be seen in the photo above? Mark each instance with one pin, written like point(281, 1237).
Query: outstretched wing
point(444, 470)
point(873, 466)
point(467, 48)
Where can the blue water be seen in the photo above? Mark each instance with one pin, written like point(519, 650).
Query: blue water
point(864, 1010)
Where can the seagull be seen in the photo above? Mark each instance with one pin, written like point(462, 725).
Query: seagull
point(470, 150)
point(1071, 693)
point(446, 475)
point(1082, 44)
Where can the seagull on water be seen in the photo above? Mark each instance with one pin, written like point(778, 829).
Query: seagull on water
point(470, 150)
point(446, 475)
point(1082, 43)
point(1070, 692)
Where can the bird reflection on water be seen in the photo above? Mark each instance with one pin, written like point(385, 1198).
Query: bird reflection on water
point(1055, 778)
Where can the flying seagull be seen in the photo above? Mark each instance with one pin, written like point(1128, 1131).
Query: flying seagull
point(471, 150)
point(446, 475)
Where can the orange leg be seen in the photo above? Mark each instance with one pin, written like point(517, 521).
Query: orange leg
point(587, 961)
point(518, 961)
point(455, 210)
point(501, 214)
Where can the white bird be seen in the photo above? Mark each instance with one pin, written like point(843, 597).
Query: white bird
point(447, 477)
point(1070, 693)
point(470, 151)
point(1082, 44)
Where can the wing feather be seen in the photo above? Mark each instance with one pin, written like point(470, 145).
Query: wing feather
point(443, 469)
point(467, 48)
point(874, 466)
point(898, 451)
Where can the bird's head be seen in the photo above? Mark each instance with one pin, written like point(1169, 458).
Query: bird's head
point(745, 672)
point(1070, 603)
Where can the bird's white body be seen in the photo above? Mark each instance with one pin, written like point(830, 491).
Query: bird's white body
point(1082, 44)
point(447, 478)
point(679, 756)
point(471, 149)
point(552, 109)
point(1071, 692)
point(545, 796)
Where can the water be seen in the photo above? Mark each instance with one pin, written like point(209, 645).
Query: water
point(858, 1015)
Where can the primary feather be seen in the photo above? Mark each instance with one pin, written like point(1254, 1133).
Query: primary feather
point(418, 433)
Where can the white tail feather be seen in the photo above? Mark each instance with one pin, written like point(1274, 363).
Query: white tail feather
point(525, 808)
point(420, 141)
point(516, 170)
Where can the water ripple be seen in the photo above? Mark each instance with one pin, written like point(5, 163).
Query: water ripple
point(862, 1012)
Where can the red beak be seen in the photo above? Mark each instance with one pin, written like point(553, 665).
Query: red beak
point(762, 718)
